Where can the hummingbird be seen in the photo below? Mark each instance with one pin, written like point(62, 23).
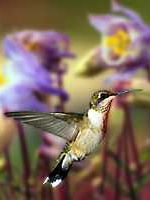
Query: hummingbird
point(82, 131)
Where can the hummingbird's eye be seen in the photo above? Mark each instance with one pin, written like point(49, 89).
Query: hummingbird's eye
point(102, 97)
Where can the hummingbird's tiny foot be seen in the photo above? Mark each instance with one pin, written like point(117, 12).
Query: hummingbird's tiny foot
point(46, 180)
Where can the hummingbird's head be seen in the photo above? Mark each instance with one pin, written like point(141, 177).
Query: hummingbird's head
point(101, 100)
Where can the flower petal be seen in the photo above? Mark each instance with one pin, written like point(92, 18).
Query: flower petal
point(26, 63)
point(104, 23)
point(120, 76)
point(55, 91)
point(20, 97)
point(116, 7)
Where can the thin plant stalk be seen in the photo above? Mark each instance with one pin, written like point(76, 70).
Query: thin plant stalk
point(86, 191)
point(147, 68)
point(9, 170)
point(128, 177)
point(104, 168)
point(131, 140)
point(117, 195)
point(44, 164)
point(128, 139)
point(25, 160)
point(60, 85)
point(61, 193)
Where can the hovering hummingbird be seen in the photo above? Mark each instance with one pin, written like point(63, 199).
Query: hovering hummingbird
point(83, 131)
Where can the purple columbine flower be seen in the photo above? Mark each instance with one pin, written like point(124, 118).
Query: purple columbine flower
point(49, 47)
point(23, 76)
point(125, 40)
point(17, 87)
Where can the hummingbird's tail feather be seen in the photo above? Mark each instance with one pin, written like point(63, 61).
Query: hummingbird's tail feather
point(58, 174)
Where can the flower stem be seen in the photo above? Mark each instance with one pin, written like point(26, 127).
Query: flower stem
point(60, 85)
point(44, 170)
point(104, 168)
point(148, 72)
point(62, 192)
point(128, 174)
point(128, 137)
point(118, 170)
point(9, 170)
point(131, 139)
point(25, 159)
point(147, 68)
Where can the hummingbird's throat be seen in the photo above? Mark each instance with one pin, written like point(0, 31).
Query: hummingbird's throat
point(95, 118)
point(102, 105)
point(105, 107)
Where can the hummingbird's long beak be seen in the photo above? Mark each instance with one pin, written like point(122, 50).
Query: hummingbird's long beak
point(127, 91)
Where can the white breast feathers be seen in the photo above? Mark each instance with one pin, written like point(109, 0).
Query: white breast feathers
point(95, 118)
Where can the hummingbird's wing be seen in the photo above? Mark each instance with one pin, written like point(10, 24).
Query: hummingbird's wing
point(60, 124)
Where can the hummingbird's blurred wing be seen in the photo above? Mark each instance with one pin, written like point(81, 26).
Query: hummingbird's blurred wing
point(60, 124)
